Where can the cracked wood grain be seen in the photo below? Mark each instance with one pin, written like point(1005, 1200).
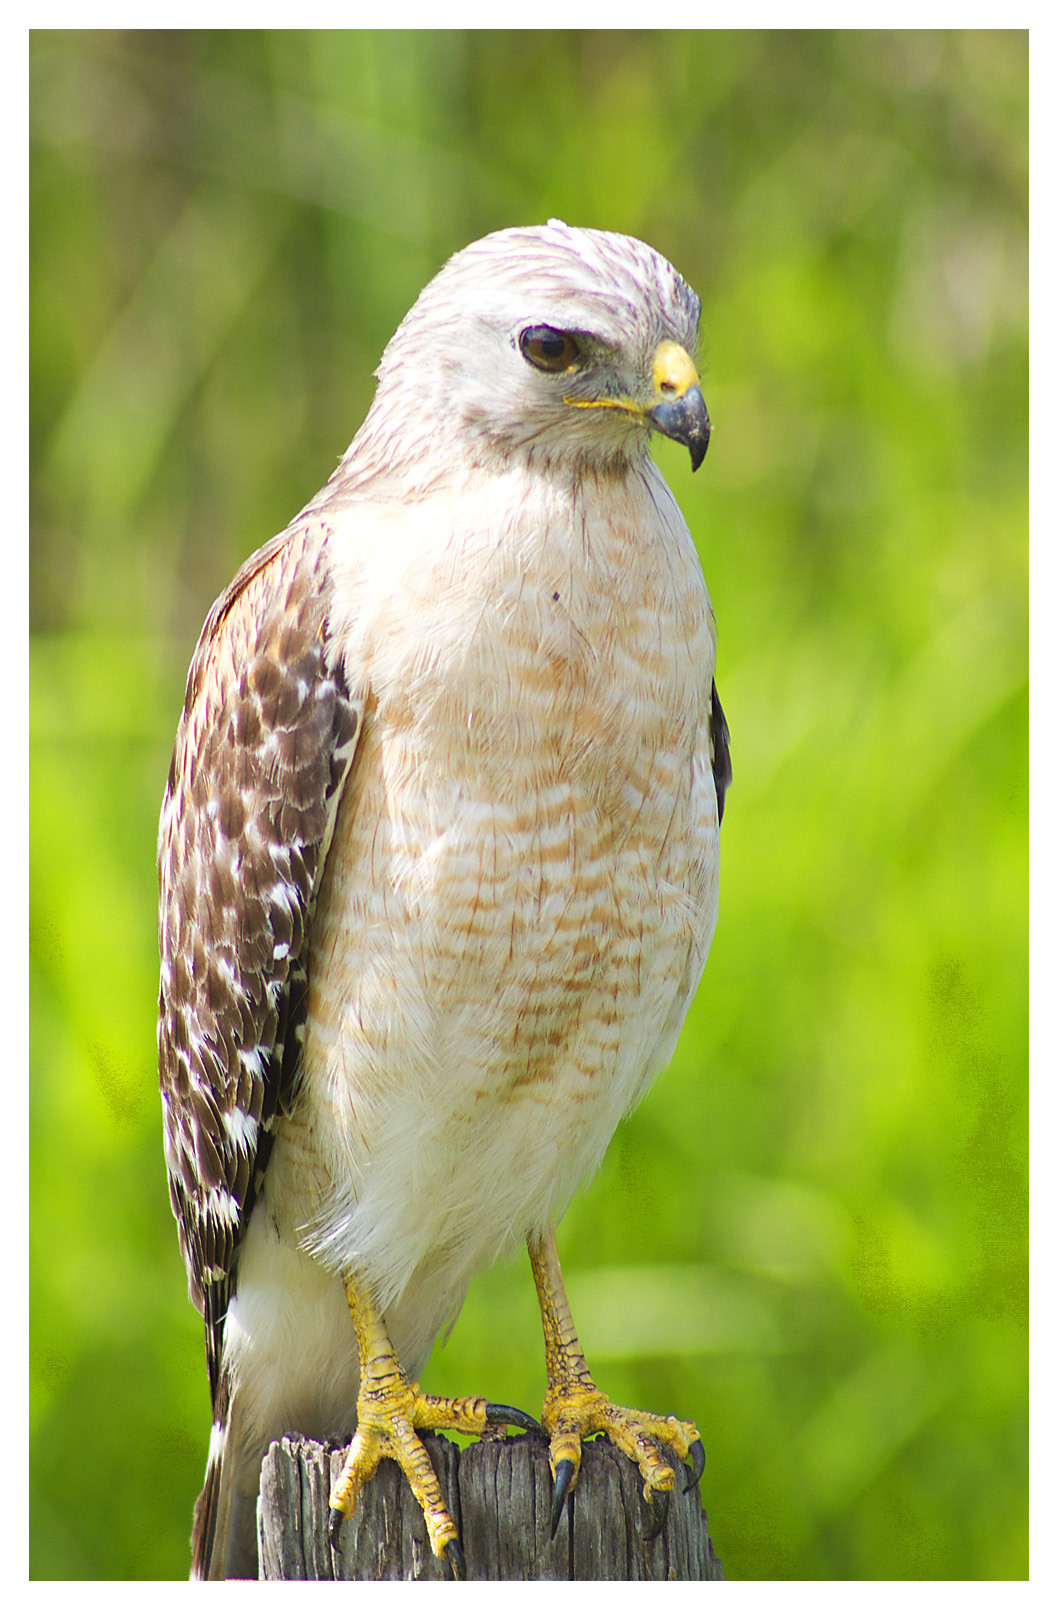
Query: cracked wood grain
point(498, 1492)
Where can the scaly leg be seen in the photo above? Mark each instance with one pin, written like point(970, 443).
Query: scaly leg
point(390, 1411)
point(574, 1408)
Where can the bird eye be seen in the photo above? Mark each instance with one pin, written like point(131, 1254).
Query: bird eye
point(548, 349)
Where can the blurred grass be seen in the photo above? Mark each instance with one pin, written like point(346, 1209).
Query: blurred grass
point(811, 1237)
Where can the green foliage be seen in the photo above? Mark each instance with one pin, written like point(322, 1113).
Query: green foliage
point(811, 1237)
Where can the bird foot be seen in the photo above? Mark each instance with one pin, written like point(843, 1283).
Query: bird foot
point(576, 1410)
point(391, 1411)
point(390, 1414)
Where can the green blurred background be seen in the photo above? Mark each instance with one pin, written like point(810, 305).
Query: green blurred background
point(812, 1235)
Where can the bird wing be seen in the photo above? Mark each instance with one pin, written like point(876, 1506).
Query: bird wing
point(721, 751)
point(264, 746)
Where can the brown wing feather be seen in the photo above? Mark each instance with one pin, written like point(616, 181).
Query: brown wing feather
point(722, 755)
point(262, 752)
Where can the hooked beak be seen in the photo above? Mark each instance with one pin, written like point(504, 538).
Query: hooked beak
point(680, 412)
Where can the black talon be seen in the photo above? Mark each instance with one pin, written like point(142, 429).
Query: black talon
point(564, 1476)
point(659, 1519)
point(454, 1558)
point(505, 1415)
point(334, 1528)
point(698, 1464)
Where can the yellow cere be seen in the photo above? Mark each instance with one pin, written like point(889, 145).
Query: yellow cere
point(673, 372)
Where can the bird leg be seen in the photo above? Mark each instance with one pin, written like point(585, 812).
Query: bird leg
point(574, 1408)
point(390, 1411)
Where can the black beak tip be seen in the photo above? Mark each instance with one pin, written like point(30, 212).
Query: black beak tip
point(697, 447)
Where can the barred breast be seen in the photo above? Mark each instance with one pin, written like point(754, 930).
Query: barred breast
point(523, 880)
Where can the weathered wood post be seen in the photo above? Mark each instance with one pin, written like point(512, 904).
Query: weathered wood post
point(498, 1492)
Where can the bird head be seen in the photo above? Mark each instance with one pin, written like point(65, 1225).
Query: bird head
point(560, 345)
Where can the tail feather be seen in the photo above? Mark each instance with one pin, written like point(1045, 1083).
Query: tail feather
point(204, 1525)
point(224, 1529)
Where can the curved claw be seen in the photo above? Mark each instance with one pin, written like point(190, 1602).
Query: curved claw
point(698, 1465)
point(453, 1556)
point(659, 1503)
point(564, 1476)
point(334, 1528)
point(506, 1415)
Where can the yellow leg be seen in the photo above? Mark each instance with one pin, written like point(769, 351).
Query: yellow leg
point(390, 1410)
point(574, 1407)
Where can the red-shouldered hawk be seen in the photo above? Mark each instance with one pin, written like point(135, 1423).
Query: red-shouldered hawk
point(438, 868)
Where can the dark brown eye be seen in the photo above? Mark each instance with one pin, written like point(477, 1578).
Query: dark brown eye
point(548, 349)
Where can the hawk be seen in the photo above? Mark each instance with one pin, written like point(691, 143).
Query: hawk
point(438, 870)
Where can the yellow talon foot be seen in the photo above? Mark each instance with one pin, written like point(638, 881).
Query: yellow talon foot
point(386, 1429)
point(575, 1409)
point(390, 1412)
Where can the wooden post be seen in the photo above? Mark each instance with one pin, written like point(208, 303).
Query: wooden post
point(498, 1492)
